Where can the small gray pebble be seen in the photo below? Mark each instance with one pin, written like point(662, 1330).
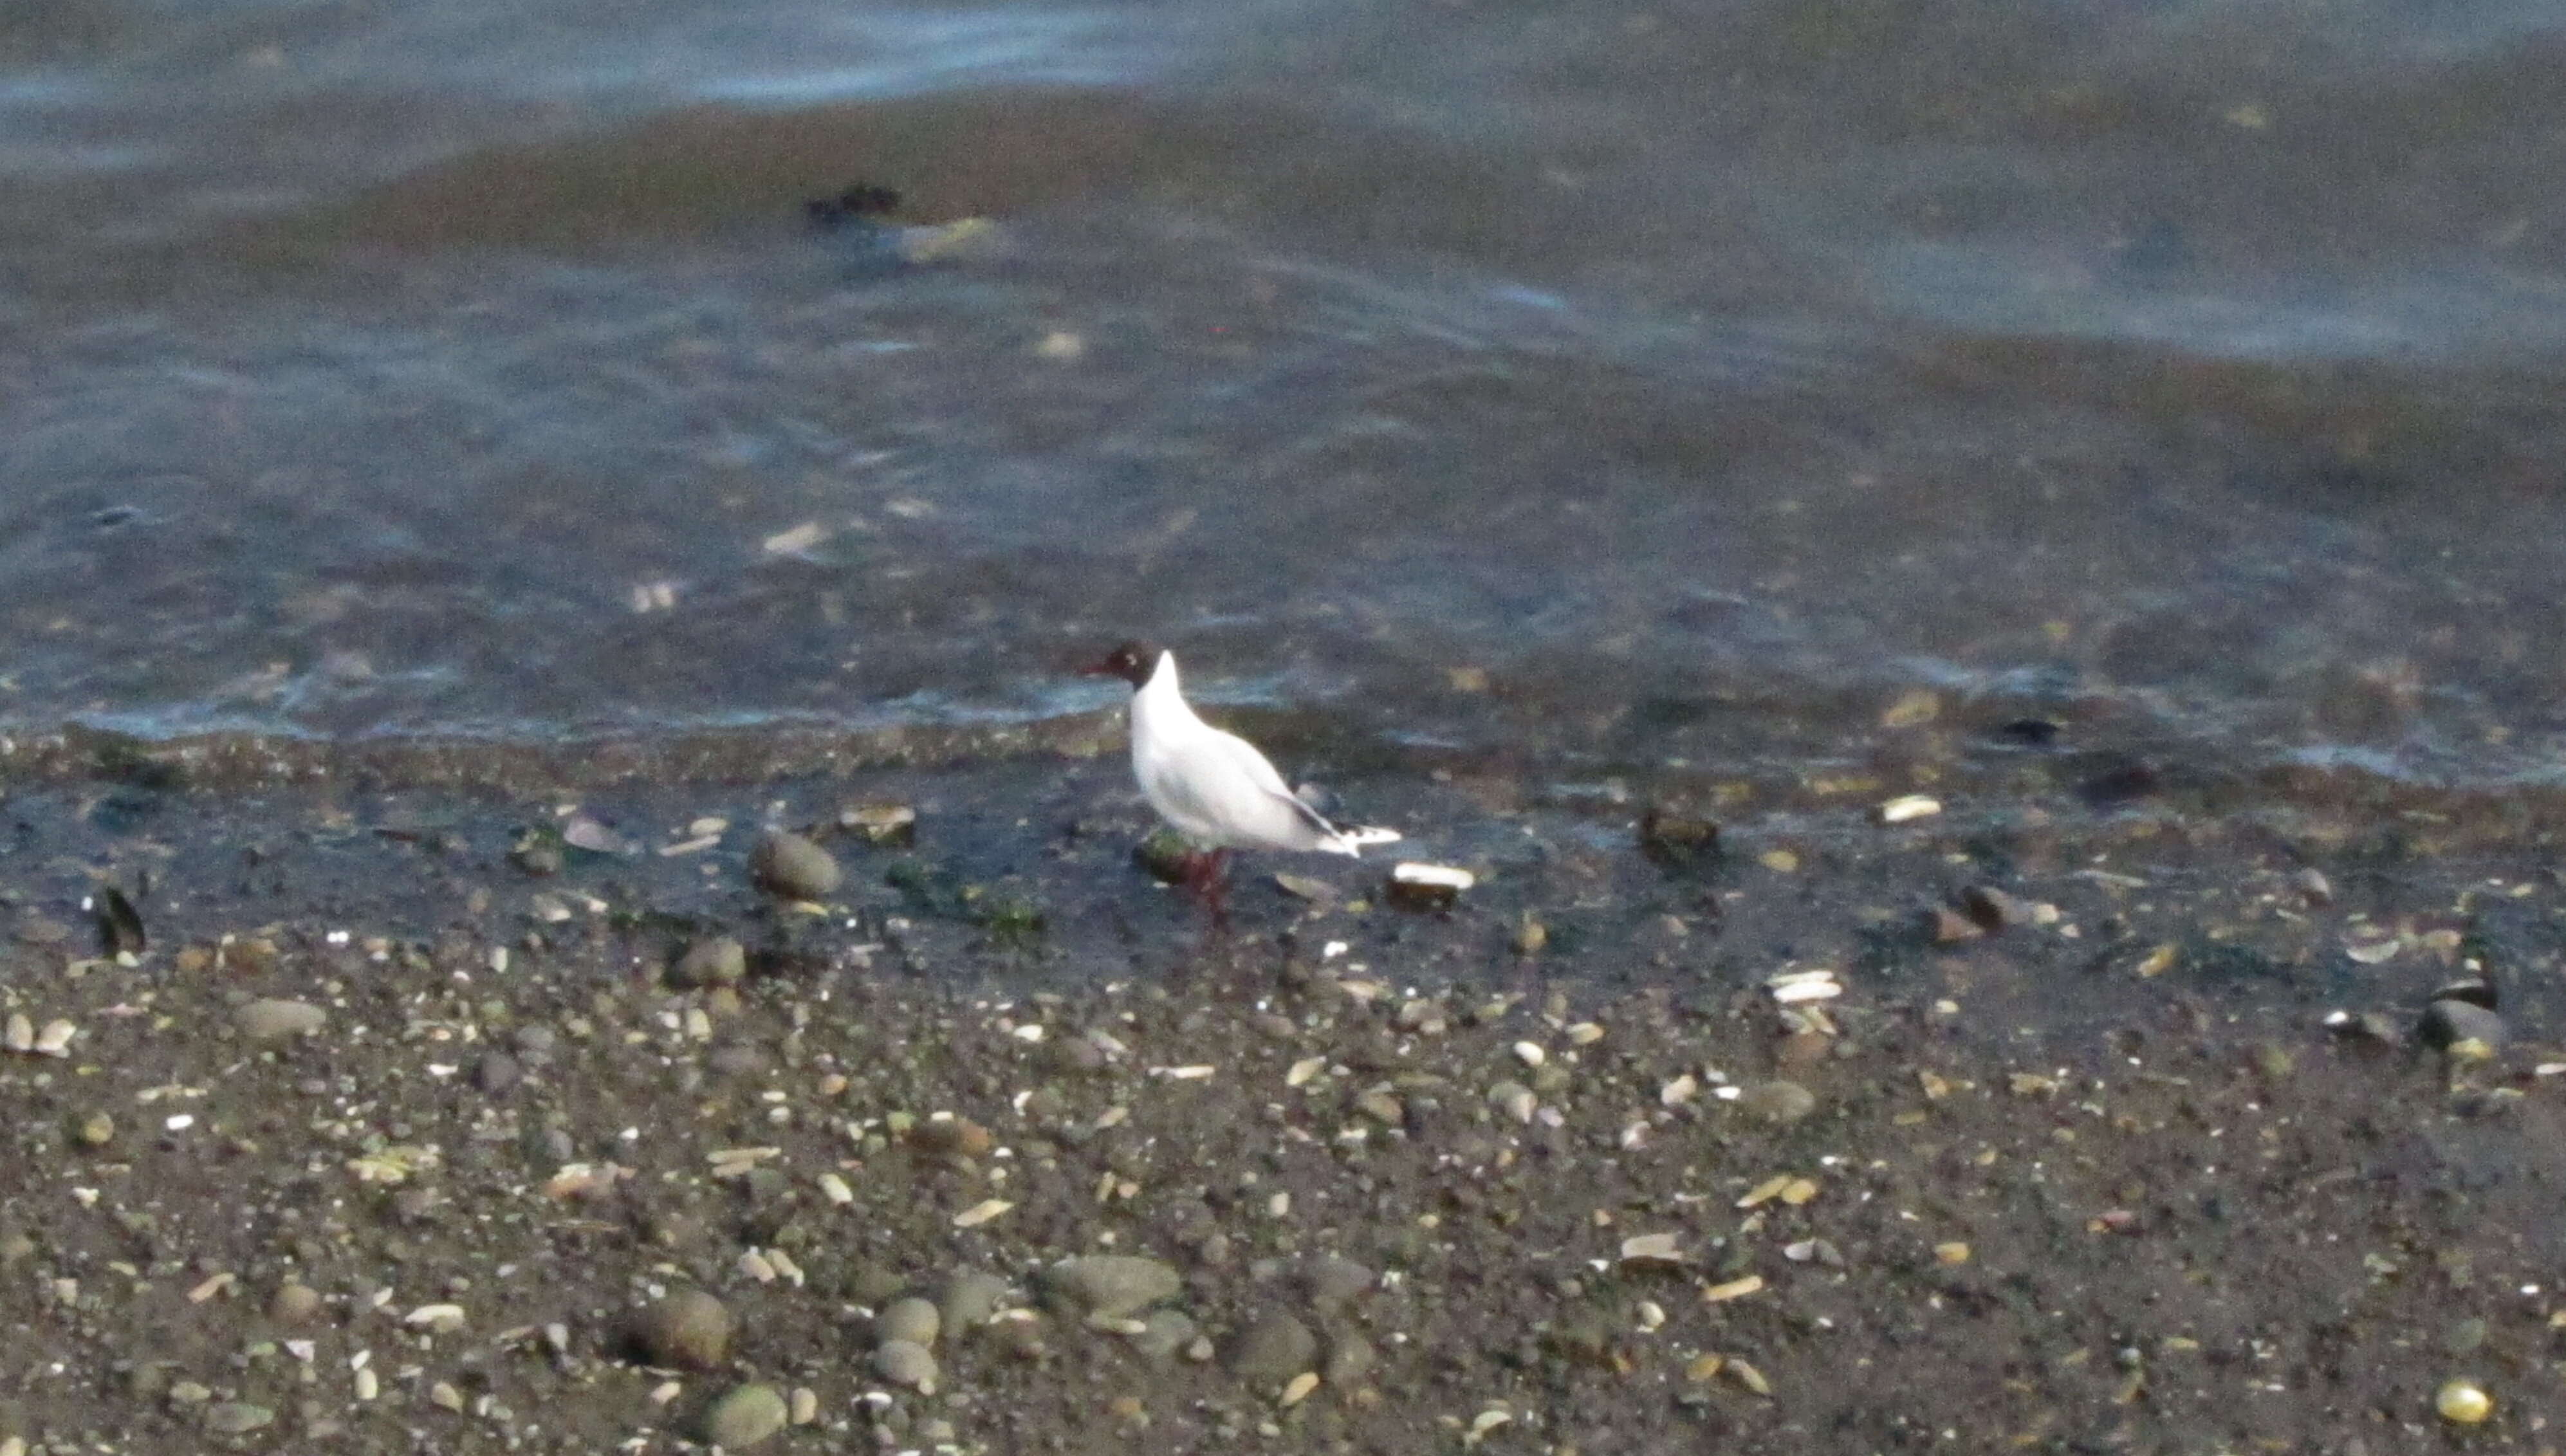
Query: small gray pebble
point(911, 1320)
point(970, 1298)
point(1169, 1331)
point(791, 866)
point(690, 1330)
point(1273, 1350)
point(903, 1362)
point(1350, 1359)
point(1778, 1100)
point(1111, 1285)
point(720, 961)
point(497, 1072)
point(275, 1021)
point(1333, 1280)
point(236, 1417)
point(744, 1416)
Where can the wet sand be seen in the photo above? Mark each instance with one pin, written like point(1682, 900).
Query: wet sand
point(408, 1113)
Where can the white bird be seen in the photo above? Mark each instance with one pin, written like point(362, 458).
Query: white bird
point(1214, 786)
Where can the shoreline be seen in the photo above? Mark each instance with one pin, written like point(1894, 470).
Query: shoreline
point(2028, 1187)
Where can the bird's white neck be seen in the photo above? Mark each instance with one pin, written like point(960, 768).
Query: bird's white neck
point(1161, 698)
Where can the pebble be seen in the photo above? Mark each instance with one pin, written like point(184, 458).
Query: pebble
point(911, 1320)
point(744, 1416)
point(790, 865)
point(690, 1330)
point(1674, 836)
point(1427, 886)
point(496, 1072)
point(294, 1303)
point(2451, 1023)
point(2462, 1403)
point(1273, 1350)
point(1168, 1333)
point(720, 961)
point(1111, 1285)
point(882, 824)
point(1334, 1281)
point(1350, 1359)
point(1991, 909)
point(907, 1362)
point(539, 856)
point(236, 1417)
point(968, 1298)
point(275, 1020)
point(1778, 1100)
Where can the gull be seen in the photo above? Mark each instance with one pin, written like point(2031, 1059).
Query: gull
point(1212, 787)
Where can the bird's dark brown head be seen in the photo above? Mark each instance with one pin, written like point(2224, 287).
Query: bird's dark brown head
point(1133, 662)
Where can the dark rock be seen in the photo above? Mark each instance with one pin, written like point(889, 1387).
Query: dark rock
point(2450, 1023)
point(1991, 909)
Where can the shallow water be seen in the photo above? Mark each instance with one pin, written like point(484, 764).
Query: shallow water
point(1601, 391)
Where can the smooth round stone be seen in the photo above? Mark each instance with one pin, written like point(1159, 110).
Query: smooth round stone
point(1273, 1350)
point(293, 1303)
point(275, 1020)
point(497, 1072)
point(237, 1417)
point(791, 866)
point(1168, 1334)
point(906, 1362)
point(720, 961)
point(2450, 1021)
point(1111, 1285)
point(1350, 1359)
point(1334, 1281)
point(690, 1330)
point(2462, 1403)
point(746, 1415)
point(1778, 1100)
point(912, 1319)
point(970, 1296)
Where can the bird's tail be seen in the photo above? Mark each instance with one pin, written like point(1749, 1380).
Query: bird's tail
point(1350, 839)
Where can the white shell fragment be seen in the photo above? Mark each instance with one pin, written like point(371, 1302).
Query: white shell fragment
point(1428, 886)
point(1651, 1249)
point(1795, 987)
point(1907, 807)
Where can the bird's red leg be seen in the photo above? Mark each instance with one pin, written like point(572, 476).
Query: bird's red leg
point(1216, 888)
